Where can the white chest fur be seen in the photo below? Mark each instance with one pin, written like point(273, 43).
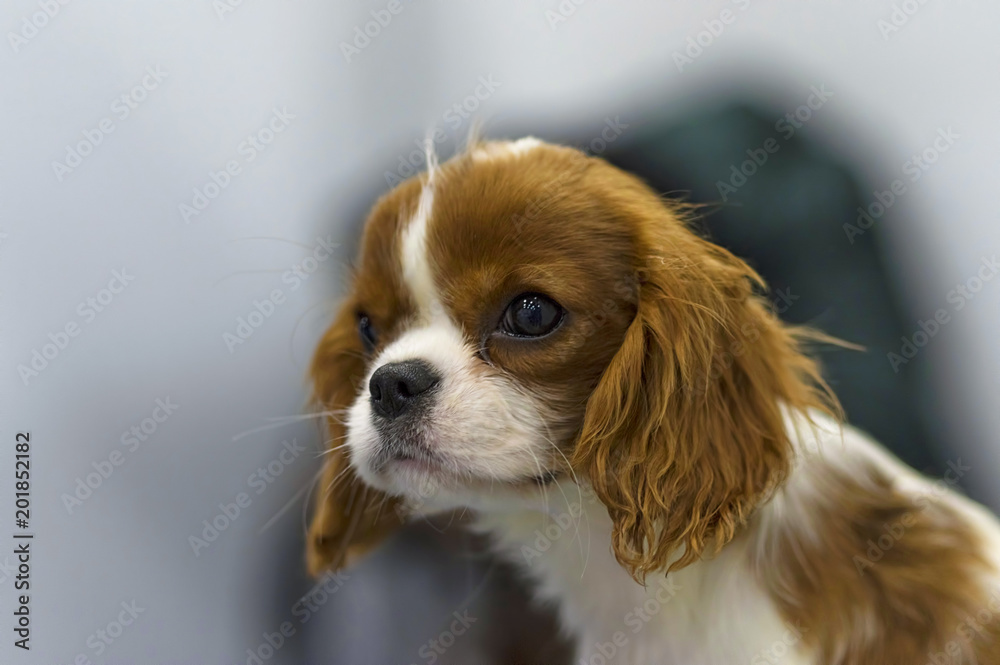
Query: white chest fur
point(709, 613)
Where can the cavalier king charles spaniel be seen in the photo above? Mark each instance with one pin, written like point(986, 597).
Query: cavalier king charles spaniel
point(535, 337)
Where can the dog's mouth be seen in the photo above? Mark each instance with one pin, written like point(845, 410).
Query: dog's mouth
point(407, 454)
point(412, 463)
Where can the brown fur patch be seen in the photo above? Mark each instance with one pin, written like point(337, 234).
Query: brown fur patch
point(885, 578)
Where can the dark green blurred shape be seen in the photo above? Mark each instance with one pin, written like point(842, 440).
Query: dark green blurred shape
point(786, 220)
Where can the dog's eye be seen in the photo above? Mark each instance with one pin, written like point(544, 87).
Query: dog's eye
point(367, 332)
point(531, 315)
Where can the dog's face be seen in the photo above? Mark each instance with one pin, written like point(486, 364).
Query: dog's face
point(525, 311)
point(474, 306)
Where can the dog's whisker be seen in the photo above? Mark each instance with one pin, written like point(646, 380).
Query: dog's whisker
point(302, 416)
point(305, 504)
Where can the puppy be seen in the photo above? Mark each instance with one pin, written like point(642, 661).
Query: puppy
point(535, 336)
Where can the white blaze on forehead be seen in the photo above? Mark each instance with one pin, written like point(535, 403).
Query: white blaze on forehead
point(417, 272)
point(417, 269)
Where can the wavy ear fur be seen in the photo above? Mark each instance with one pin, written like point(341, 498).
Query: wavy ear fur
point(684, 434)
point(349, 518)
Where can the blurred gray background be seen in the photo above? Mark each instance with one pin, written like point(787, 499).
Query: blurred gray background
point(92, 183)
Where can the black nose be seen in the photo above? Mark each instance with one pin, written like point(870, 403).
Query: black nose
point(395, 387)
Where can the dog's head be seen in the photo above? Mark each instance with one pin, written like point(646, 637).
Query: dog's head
point(525, 311)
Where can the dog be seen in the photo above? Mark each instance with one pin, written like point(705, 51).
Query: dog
point(534, 336)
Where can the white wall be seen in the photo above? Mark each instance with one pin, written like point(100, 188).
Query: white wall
point(162, 336)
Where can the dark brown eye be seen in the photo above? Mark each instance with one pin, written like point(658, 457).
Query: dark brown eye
point(531, 315)
point(366, 332)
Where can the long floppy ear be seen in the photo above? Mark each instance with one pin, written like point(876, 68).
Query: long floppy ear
point(684, 434)
point(349, 517)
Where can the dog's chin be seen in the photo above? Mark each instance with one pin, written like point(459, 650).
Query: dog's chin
point(435, 482)
point(411, 476)
point(415, 478)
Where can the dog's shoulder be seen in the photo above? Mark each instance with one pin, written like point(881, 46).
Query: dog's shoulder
point(881, 564)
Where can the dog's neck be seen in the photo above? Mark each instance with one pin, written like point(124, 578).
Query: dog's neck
point(563, 543)
point(565, 548)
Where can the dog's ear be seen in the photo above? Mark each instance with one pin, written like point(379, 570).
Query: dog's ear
point(685, 434)
point(349, 517)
